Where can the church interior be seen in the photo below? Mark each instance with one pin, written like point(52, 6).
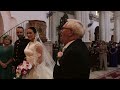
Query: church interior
point(99, 26)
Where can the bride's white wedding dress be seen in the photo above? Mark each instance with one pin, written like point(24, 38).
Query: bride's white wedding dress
point(40, 71)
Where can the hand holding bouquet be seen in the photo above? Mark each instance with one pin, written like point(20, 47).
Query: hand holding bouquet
point(23, 69)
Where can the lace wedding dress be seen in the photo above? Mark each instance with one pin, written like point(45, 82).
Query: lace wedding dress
point(39, 71)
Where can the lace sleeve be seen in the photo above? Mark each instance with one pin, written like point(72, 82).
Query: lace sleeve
point(39, 51)
point(46, 58)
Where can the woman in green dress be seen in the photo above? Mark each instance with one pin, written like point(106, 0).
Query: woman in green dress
point(6, 58)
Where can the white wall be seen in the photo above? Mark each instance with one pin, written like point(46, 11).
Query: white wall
point(6, 19)
point(21, 16)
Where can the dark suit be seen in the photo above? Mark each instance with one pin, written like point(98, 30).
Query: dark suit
point(19, 47)
point(75, 63)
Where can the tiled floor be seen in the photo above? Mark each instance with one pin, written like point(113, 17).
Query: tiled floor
point(95, 74)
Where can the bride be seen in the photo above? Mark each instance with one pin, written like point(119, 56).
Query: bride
point(39, 57)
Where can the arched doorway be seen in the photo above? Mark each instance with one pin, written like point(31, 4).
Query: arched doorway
point(96, 33)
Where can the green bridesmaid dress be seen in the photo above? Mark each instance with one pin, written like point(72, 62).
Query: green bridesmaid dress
point(5, 54)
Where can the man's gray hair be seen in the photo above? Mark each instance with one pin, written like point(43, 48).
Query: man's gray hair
point(76, 26)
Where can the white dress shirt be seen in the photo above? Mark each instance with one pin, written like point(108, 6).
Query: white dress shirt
point(65, 48)
point(67, 45)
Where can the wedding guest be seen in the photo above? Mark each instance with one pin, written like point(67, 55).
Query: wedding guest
point(103, 55)
point(74, 63)
point(6, 58)
point(110, 43)
point(95, 56)
point(118, 53)
point(19, 47)
point(113, 56)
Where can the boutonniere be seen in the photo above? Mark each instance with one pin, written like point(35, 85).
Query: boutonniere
point(59, 55)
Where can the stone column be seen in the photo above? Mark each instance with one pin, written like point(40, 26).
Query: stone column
point(102, 26)
point(1, 25)
point(91, 28)
point(6, 15)
point(53, 28)
point(83, 16)
point(107, 25)
point(93, 12)
point(117, 26)
point(50, 27)
point(78, 15)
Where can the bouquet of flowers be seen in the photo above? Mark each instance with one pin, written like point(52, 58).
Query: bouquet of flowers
point(23, 69)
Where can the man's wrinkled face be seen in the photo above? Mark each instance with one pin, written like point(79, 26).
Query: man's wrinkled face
point(64, 35)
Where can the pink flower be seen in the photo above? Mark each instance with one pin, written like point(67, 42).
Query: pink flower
point(23, 69)
point(24, 72)
point(59, 55)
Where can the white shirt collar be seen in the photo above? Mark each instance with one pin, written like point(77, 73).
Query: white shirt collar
point(67, 45)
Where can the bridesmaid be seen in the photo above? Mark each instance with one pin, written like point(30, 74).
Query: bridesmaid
point(6, 54)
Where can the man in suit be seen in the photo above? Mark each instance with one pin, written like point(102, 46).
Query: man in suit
point(74, 63)
point(19, 47)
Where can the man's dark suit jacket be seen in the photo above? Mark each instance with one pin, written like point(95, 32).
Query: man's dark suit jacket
point(19, 47)
point(75, 63)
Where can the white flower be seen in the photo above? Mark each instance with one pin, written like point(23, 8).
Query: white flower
point(14, 78)
point(29, 66)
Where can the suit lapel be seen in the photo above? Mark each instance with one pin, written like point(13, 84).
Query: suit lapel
point(72, 44)
point(68, 48)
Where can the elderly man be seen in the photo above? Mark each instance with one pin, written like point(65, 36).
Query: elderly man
point(74, 63)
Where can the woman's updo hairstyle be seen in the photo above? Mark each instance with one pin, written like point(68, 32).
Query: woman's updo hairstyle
point(33, 29)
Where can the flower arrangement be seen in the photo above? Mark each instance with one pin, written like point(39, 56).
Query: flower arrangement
point(23, 69)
